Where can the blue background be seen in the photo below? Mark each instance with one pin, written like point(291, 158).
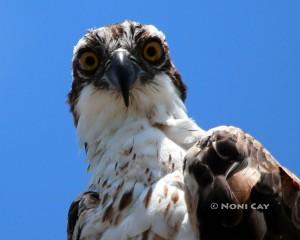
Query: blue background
point(240, 60)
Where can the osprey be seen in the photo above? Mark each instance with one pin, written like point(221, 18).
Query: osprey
point(155, 173)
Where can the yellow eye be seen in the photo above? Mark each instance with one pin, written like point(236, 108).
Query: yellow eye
point(88, 61)
point(153, 51)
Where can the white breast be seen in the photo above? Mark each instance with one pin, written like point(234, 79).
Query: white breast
point(134, 152)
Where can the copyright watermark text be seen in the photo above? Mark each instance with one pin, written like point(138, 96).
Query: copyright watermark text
point(244, 206)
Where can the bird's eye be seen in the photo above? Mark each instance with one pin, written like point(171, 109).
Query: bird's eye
point(153, 51)
point(88, 61)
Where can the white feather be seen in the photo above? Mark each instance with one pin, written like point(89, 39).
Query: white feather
point(153, 133)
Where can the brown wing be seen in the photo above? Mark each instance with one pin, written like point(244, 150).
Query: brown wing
point(72, 218)
point(85, 201)
point(252, 176)
point(291, 194)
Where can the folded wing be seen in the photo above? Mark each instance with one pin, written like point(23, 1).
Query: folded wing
point(240, 190)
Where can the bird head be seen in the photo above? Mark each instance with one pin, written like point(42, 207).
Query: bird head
point(123, 67)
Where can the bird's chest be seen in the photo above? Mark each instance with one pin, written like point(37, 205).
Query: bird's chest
point(137, 153)
point(130, 162)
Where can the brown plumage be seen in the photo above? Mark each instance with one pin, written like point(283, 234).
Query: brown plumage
point(232, 167)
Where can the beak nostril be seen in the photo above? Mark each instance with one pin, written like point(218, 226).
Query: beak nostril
point(107, 65)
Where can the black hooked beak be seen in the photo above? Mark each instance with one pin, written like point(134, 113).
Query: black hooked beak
point(122, 73)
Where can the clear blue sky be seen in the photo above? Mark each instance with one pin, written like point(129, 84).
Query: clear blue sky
point(240, 60)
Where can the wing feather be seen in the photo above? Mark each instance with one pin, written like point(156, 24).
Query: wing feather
point(253, 176)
